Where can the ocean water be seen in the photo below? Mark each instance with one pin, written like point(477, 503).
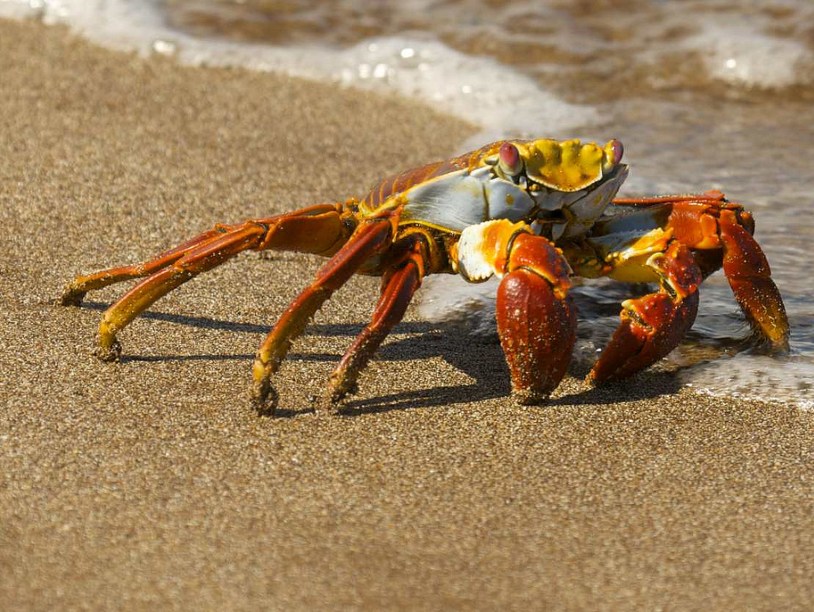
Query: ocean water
point(704, 94)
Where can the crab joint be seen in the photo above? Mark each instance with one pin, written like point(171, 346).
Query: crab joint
point(676, 267)
point(483, 249)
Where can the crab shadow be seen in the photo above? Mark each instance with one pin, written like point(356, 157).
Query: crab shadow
point(479, 357)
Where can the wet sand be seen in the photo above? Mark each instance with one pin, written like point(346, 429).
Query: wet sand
point(152, 483)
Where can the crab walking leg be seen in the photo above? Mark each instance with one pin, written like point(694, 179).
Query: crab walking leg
point(725, 226)
point(748, 273)
point(371, 237)
point(315, 233)
point(399, 284)
point(308, 229)
point(654, 324)
point(75, 291)
point(709, 197)
point(720, 234)
point(140, 297)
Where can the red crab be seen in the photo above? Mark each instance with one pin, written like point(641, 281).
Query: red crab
point(532, 212)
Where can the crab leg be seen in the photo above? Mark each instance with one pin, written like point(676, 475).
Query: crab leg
point(710, 197)
point(399, 284)
point(654, 324)
point(317, 229)
point(199, 259)
point(725, 225)
point(371, 237)
point(748, 273)
point(305, 230)
point(75, 291)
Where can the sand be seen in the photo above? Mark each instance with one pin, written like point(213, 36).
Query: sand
point(152, 483)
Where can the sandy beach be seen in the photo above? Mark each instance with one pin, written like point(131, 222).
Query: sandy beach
point(151, 483)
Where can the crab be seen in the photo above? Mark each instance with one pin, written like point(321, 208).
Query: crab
point(534, 213)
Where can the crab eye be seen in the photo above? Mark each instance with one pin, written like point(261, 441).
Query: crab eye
point(613, 153)
point(509, 159)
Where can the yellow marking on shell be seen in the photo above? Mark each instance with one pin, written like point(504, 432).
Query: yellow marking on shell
point(567, 166)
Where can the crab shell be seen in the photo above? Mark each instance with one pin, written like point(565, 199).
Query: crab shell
point(560, 187)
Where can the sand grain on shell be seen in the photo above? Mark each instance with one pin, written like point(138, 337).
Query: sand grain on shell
point(151, 482)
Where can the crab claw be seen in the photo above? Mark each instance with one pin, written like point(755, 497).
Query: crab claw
point(654, 324)
point(536, 319)
point(651, 327)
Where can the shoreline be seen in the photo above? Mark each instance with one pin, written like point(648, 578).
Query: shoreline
point(151, 482)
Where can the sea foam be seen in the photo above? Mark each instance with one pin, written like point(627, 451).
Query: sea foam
point(492, 96)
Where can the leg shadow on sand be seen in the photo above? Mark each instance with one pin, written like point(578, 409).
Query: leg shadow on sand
point(478, 356)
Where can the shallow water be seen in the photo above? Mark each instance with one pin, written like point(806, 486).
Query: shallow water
point(704, 95)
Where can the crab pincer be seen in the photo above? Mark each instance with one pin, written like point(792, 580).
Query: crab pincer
point(654, 324)
point(536, 318)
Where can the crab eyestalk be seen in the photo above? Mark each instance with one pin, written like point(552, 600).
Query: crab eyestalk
point(509, 159)
point(613, 154)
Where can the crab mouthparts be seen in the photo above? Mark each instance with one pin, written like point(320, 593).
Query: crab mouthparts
point(595, 197)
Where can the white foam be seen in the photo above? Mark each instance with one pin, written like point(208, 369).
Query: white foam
point(17, 9)
point(741, 53)
point(450, 299)
point(773, 379)
point(490, 95)
point(493, 96)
